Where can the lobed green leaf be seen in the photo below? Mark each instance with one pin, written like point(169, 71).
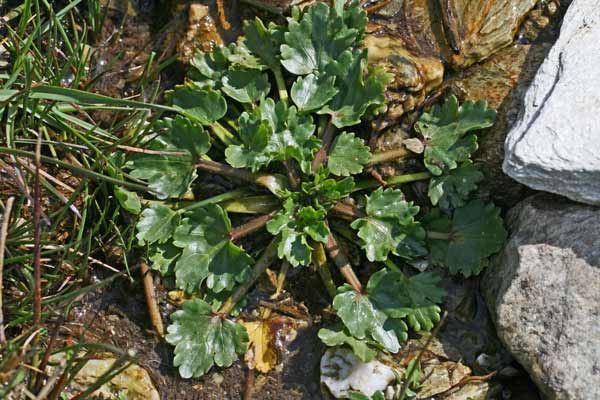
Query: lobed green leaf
point(475, 232)
point(453, 187)
point(202, 339)
point(156, 224)
point(318, 36)
point(170, 175)
point(208, 253)
point(444, 129)
point(363, 319)
point(348, 155)
point(389, 221)
point(360, 348)
point(415, 299)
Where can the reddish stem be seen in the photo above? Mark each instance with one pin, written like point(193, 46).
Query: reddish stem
point(321, 155)
point(223, 169)
point(251, 226)
point(37, 213)
point(347, 211)
point(340, 259)
point(388, 155)
point(249, 384)
point(151, 300)
point(268, 257)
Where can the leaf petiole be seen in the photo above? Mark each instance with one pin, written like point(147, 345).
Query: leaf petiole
point(439, 235)
point(388, 155)
point(394, 180)
point(223, 134)
point(293, 173)
point(258, 204)
point(327, 138)
point(320, 260)
point(234, 194)
point(391, 265)
point(340, 259)
point(266, 259)
point(251, 226)
point(347, 211)
point(281, 89)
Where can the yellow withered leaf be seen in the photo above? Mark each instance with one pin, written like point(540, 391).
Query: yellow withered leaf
point(261, 348)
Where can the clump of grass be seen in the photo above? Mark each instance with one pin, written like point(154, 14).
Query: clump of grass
point(60, 216)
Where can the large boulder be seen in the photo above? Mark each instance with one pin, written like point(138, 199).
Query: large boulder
point(554, 145)
point(543, 293)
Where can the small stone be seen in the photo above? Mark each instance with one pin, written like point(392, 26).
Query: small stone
point(415, 145)
point(342, 372)
point(509, 372)
point(471, 391)
point(134, 382)
point(441, 377)
point(484, 361)
point(217, 378)
point(202, 33)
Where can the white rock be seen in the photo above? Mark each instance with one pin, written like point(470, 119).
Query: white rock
point(555, 144)
point(342, 372)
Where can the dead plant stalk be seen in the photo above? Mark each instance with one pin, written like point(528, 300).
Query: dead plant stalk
point(3, 235)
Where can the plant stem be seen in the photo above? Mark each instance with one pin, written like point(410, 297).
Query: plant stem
point(3, 234)
point(232, 195)
point(394, 180)
point(223, 134)
point(37, 212)
point(281, 89)
point(251, 226)
point(272, 182)
point(223, 169)
point(348, 211)
point(259, 204)
point(151, 302)
point(132, 149)
point(388, 155)
point(320, 260)
point(340, 259)
point(285, 267)
point(390, 264)
point(249, 384)
point(321, 155)
point(439, 235)
point(292, 172)
point(267, 258)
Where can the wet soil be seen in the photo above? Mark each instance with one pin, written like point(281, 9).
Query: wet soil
point(117, 315)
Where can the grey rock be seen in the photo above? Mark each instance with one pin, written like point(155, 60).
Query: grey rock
point(555, 146)
point(543, 293)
